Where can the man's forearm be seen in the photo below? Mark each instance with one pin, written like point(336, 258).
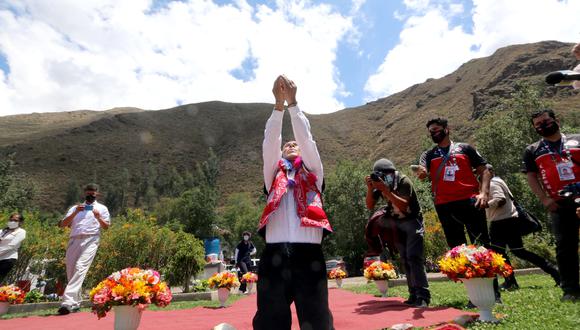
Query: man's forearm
point(66, 222)
point(535, 186)
point(399, 202)
point(308, 148)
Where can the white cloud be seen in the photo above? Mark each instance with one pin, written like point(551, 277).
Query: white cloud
point(99, 54)
point(431, 46)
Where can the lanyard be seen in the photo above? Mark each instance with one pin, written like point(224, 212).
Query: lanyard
point(564, 151)
point(448, 154)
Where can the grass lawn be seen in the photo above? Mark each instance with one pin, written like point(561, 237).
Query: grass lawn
point(536, 305)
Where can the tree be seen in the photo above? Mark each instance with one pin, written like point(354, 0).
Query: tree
point(16, 190)
point(240, 214)
point(187, 260)
point(345, 206)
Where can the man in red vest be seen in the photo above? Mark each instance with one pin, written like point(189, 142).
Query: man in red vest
point(292, 267)
point(551, 164)
point(460, 199)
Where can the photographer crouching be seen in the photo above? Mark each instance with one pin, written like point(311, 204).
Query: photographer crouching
point(402, 214)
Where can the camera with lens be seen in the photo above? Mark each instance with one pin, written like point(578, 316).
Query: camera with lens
point(570, 190)
point(378, 176)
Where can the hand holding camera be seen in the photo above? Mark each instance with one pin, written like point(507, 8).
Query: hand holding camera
point(379, 181)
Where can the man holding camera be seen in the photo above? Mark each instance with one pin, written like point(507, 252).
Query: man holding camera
point(402, 214)
point(551, 165)
point(292, 267)
point(86, 221)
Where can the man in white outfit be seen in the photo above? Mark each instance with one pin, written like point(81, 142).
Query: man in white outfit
point(292, 267)
point(85, 220)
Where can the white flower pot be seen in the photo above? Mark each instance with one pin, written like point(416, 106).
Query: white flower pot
point(4, 307)
point(383, 287)
point(339, 282)
point(127, 317)
point(481, 294)
point(223, 294)
point(249, 287)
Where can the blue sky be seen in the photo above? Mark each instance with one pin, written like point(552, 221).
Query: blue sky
point(99, 54)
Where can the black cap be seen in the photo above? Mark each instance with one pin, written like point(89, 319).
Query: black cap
point(384, 165)
point(92, 187)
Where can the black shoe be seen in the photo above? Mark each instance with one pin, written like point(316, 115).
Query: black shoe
point(421, 303)
point(63, 310)
point(470, 305)
point(509, 286)
point(571, 297)
point(498, 301)
point(411, 301)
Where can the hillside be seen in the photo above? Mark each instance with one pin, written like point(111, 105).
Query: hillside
point(51, 147)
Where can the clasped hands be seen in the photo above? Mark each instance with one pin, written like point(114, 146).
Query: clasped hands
point(284, 90)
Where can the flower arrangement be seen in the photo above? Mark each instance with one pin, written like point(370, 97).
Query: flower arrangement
point(12, 294)
point(469, 261)
point(224, 280)
point(379, 270)
point(337, 273)
point(250, 277)
point(130, 286)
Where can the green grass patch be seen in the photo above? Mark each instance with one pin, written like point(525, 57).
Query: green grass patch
point(536, 305)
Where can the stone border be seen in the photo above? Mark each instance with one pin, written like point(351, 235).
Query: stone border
point(28, 308)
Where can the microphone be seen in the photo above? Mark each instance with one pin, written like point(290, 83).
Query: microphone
point(562, 77)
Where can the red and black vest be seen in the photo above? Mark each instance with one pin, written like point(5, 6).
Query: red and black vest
point(459, 166)
point(555, 168)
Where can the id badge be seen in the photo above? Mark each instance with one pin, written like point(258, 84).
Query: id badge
point(565, 171)
point(449, 174)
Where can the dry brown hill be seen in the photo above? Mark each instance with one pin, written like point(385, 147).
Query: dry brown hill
point(52, 147)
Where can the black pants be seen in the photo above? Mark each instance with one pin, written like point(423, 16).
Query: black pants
point(292, 272)
point(409, 241)
point(244, 265)
point(504, 233)
point(5, 267)
point(565, 225)
point(458, 216)
point(455, 216)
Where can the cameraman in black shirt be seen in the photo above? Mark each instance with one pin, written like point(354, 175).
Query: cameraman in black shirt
point(403, 217)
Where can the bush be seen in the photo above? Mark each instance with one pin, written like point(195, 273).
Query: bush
point(186, 261)
point(435, 243)
point(45, 242)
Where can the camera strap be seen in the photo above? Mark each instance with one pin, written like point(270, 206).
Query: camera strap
point(440, 169)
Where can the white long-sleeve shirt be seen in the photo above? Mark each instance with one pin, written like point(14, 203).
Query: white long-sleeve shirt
point(284, 223)
point(10, 243)
point(576, 83)
point(85, 223)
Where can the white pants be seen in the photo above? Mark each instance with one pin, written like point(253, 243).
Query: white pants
point(79, 255)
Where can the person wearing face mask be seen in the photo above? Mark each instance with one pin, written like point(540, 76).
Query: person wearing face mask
point(460, 199)
point(292, 265)
point(10, 239)
point(576, 53)
point(402, 216)
point(550, 164)
point(244, 250)
point(86, 221)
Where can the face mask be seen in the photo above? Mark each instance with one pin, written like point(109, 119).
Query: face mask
point(246, 237)
point(547, 129)
point(438, 136)
point(90, 198)
point(12, 224)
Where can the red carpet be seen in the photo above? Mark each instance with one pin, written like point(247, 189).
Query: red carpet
point(350, 311)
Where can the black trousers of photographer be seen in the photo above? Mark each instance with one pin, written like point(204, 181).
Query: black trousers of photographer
point(565, 225)
point(409, 241)
point(292, 273)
